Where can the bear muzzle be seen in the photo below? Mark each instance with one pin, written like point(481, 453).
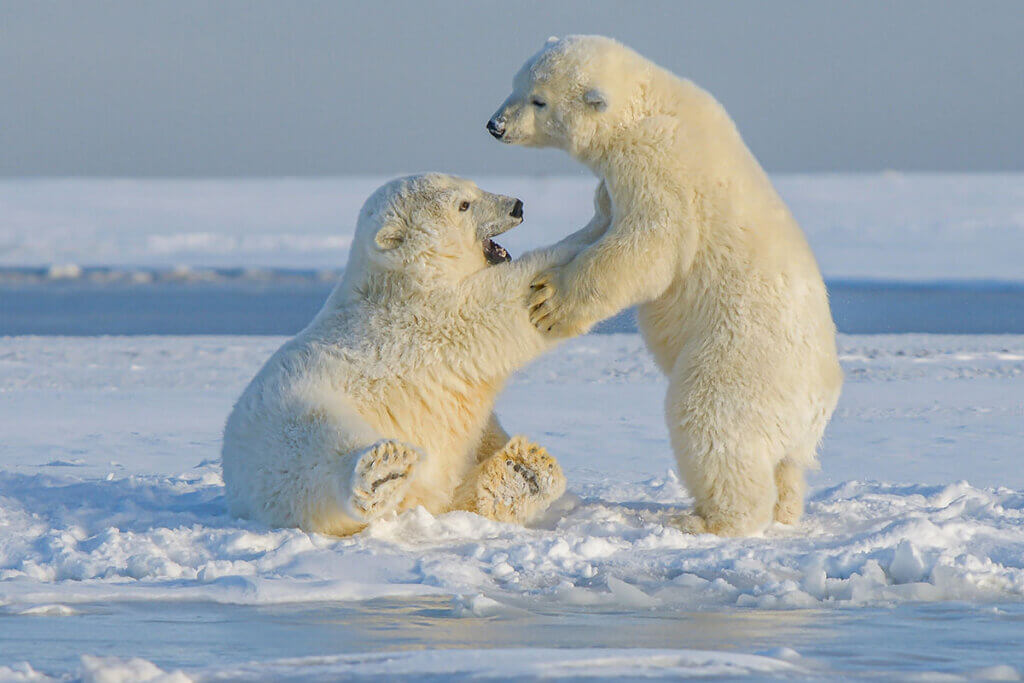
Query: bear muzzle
point(496, 127)
point(494, 252)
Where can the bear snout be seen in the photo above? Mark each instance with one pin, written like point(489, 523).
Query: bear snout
point(517, 209)
point(496, 127)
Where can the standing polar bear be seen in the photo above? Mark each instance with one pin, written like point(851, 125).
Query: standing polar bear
point(384, 401)
point(687, 225)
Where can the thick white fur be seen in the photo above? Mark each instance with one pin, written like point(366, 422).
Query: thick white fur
point(732, 304)
point(395, 379)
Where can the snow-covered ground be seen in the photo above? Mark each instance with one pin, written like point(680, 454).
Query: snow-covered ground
point(112, 511)
point(878, 226)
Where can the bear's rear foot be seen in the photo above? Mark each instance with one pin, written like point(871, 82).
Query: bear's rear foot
point(718, 525)
point(381, 478)
point(690, 523)
point(518, 482)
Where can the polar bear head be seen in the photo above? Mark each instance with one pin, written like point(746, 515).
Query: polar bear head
point(432, 228)
point(570, 93)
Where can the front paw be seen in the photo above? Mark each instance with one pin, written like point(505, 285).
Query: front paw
point(550, 309)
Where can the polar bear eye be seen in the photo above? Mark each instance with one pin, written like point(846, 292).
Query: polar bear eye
point(540, 104)
point(464, 206)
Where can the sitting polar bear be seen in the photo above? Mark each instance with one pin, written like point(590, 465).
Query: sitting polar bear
point(688, 225)
point(384, 401)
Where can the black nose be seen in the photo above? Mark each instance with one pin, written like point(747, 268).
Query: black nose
point(496, 128)
point(517, 210)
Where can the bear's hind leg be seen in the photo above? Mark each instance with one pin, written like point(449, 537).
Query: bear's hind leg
point(790, 482)
point(380, 478)
point(734, 492)
point(723, 457)
point(492, 440)
point(514, 485)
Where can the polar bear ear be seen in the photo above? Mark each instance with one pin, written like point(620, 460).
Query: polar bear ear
point(596, 98)
point(390, 235)
point(551, 40)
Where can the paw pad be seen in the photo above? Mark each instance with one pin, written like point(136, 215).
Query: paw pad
point(381, 478)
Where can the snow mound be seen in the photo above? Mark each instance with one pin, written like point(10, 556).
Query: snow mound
point(134, 670)
point(160, 537)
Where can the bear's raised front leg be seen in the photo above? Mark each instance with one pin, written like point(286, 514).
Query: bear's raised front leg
point(381, 474)
point(570, 246)
point(516, 484)
point(552, 308)
point(634, 261)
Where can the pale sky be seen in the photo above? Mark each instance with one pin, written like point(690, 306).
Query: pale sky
point(241, 87)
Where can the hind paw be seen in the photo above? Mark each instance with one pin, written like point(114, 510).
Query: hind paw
point(381, 478)
point(690, 523)
point(518, 482)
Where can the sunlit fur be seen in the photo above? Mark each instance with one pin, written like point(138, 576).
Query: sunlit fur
point(413, 345)
point(688, 225)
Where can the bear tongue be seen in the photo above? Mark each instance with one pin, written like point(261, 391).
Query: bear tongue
point(495, 253)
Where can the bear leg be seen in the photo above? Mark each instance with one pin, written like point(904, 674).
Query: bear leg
point(790, 482)
point(492, 440)
point(724, 454)
point(735, 495)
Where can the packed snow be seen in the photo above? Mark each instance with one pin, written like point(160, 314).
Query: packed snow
point(891, 226)
point(110, 491)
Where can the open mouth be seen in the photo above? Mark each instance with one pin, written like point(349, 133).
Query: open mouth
point(495, 253)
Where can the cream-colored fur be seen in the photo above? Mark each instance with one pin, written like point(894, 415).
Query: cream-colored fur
point(515, 484)
point(689, 227)
point(384, 401)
